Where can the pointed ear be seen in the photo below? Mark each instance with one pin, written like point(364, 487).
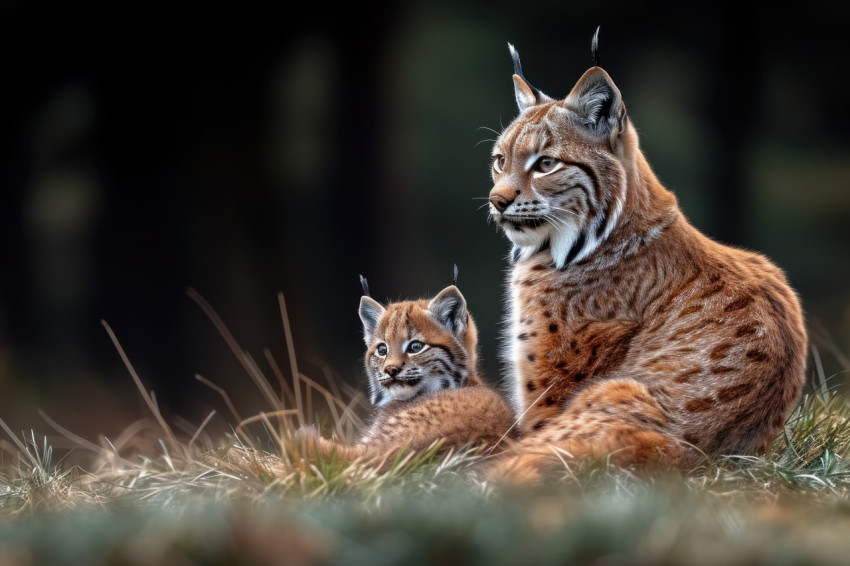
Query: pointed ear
point(449, 309)
point(370, 312)
point(597, 101)
point(526, 95)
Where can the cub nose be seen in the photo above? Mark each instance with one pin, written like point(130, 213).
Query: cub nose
point(392, 370)
point(502, 197)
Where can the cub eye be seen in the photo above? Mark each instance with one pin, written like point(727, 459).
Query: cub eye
point(498, 162)
point(382, 350)
point(415, 347)
point(546, 164)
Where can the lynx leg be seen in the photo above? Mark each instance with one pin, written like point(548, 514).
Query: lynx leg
point(617, 418)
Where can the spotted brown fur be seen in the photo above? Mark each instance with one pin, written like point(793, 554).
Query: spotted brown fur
point(651, 336)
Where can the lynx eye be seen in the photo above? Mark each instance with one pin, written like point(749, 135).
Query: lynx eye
point(381, 350)
point(546, 164)
point(498, 162)
point(415, 347)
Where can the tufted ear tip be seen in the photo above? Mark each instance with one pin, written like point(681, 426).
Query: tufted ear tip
point(526, 95)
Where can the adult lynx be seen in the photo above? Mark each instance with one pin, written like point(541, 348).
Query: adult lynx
point(629, 330)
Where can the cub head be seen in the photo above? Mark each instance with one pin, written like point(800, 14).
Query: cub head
point(418, 347)
point(561, 169)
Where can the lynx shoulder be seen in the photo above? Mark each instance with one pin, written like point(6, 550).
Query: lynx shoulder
point(629, 330)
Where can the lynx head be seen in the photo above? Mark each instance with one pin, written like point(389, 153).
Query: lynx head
point(562, 168)
point(418, 347)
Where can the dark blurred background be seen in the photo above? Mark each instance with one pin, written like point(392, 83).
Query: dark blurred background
point(243, 153)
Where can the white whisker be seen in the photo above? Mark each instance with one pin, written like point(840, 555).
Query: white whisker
point(558, 208)
point(489, 130)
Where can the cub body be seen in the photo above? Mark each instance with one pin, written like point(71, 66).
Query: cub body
point(421, 363)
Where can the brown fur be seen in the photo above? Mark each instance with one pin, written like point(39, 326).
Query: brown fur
point(654, 341)
point(453, 406)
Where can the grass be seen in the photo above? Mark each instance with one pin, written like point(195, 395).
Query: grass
point(254, 496)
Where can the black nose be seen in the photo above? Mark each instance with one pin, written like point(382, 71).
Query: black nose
point(392, 371)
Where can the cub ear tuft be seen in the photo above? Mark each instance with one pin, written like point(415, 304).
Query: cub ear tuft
point(370, 312)
point(597, 100)
point(448, 308)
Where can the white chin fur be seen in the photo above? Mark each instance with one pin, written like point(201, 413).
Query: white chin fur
point(560, 239)
point(528, 237)
point(403, 392)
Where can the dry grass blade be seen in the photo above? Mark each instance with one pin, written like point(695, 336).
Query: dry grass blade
point(147, 398)
point(77, 439)
point(22, 450)
point(285, 389)
point(245, 360)
point(230, 406)
point(200, 429)
point(290, 348)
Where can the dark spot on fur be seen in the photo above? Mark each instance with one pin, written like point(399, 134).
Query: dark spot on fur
point(560, 365)
point(719, 351)
point(776, 304)
point(757, 356)
point(529, 282)
point(547, 314)
point(738, 304)
point(726, 394)
point(523, 336)
point(553, 328)
point(539, 424)
point(531, 357)
point(445, 383)
point(723, 369)
point(686, 376)
point(539, 267)
point(700, 405)
point(747, 330)
point(530, 385)
point(690, 310)
point(551, 400)
point(713, 290)
point(615, 279)
point(578, 376)
point(714, 278)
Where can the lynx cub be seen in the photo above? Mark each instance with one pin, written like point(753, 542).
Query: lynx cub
point(629, 330)
point(421, 363)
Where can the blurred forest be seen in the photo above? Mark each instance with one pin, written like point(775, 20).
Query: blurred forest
point(247, 152)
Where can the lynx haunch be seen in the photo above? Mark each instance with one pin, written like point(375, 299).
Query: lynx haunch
point(629, 331)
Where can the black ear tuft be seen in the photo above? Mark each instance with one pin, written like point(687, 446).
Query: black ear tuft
point(449, 309)
point(526, 95)
point(515, 58)
point(594, 48)
point(365, 285)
